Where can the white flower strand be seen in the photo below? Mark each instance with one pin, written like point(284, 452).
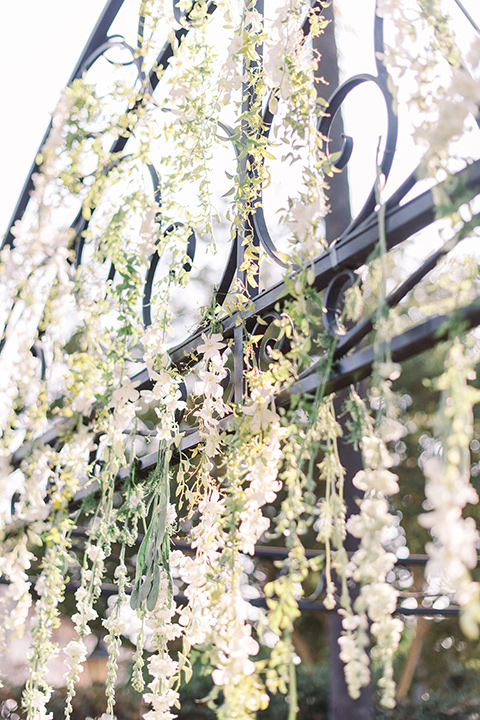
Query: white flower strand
point(164, 671)
point(16, 600)
point(261, 488)
point(165, 396)
point(222, 618)
point(217, 613)
point(453, 551)
point(289, 75)
point(199, 618)
point(85, 596)
point(435, 73)
point(50, 587)
point(369, 565)
point(211, 372)
point(115, 626)
point(38, 259)
point(258, 461)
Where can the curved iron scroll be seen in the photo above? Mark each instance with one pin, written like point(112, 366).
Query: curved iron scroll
point(333, 267)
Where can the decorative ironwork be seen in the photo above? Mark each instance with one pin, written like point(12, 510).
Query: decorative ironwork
point(334, 269)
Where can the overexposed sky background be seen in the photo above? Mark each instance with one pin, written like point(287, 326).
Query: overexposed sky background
point(41, 40)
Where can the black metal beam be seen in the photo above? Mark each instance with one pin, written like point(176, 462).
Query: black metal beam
point(412, 342)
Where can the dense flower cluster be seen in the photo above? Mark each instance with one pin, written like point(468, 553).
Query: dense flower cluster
point(211, 373)
point(16, 601)
point(371, 611)
point(443, 76)
point(453, 550)
point(238, 466)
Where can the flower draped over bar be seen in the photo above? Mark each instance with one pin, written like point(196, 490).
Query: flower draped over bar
point(234, 464)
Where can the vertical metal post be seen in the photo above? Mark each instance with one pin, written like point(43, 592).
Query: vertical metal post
point(341, 705)
point(340, 215)
point(249, 99)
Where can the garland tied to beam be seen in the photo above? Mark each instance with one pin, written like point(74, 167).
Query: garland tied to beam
point(258, 471)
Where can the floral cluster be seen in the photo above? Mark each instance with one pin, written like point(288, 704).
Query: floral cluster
point(212, 374)
point(50, 587)
point(15, 603)
point(441, 73)
point(163, 670)
point(242, 471)
point(369, 615)
point(216, 616)
point(261, 487)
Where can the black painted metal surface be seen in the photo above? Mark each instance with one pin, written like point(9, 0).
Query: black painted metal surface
point(333, 268)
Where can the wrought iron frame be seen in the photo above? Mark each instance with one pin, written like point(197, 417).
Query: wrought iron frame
point(332, 269)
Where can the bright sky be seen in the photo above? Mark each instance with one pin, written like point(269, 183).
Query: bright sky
point(40, 42)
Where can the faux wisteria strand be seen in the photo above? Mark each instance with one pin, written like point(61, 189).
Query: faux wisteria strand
point(16, 599)
point(115, 626)
point(216, 616)
point(252, 455)
point(211, 376)
point(289, 74)
point(260, 467)
point(38, 260)
point(442, 76)
point(371, 611)
point(455, 538)
point(50, 588)
point(331, 508)
point(164, 671)
point(85, 596)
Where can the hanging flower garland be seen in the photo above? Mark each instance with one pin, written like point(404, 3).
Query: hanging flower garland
point(250, 453)
point(453, 550)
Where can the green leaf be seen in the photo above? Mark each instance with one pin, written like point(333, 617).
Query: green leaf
point(134, 598)
point(142, 552)
point(161, 523)
point(165, 555)
point(145, 586)
point(155, 587)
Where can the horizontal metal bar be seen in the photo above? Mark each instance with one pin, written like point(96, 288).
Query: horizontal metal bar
point(349, 253)
point(97, 38)
point(363, 327)
point(412, 342)
point(358, 366)
point(275, 553)
point(347, 371)
point(110, 590)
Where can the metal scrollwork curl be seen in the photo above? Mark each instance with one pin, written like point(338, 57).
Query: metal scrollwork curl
point(324, 126)
point(333, 302)
point(39, 353)
point(114, 41)
point(268, 327)
point(326, 122)
point(152, 267)
point(260, 228)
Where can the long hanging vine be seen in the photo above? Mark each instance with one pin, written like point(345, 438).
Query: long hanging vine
point(94, 324)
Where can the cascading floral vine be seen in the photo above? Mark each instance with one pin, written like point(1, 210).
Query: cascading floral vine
point(369, 616)
point(453, 550)
point(230, 443)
